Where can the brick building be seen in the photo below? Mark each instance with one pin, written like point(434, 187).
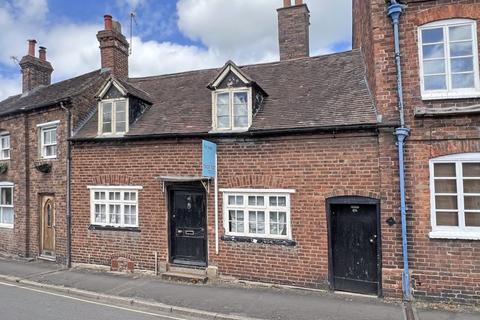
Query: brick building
point(308, 170)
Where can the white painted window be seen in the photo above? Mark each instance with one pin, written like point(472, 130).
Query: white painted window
point(232, 109)
point(114, 206)
point(48, 139)
point(257, 213)
point(4, 146)
point(448, 52)
point(455, 196)
point(113, 117)
point(6, 205)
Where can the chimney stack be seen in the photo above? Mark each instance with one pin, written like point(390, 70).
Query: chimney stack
point(294, 30)
point(35, 71)
point(113, 48)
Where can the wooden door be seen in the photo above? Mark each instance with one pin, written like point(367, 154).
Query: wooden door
point(354, 253)
point(188, 235)
point(48, 226)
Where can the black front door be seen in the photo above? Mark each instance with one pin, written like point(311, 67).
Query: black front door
point(354, 250)
point(188, 233)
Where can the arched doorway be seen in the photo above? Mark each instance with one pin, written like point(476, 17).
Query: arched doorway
point(47, 249)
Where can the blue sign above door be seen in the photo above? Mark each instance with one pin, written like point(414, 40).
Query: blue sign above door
point(209, 151)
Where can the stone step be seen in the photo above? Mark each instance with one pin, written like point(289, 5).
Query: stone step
point(186, 270)
point(184, 277)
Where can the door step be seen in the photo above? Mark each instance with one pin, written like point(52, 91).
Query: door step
point(184, 277)
point(187, 270)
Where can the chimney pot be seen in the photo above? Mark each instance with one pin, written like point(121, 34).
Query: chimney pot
point(108, 22)
point(287, 3)
point(31, 47)
point(42, 53)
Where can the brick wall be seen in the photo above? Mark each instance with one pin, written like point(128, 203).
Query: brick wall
point(317, 167)
point(444, 270)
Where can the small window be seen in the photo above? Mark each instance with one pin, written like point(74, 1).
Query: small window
point(48, 140)
point(257, 213)
point(4, 146)
point(232, 110)
point(6, 207)
point(455, 195)
point(114, 206)
point(448, 53)
point(113, 117)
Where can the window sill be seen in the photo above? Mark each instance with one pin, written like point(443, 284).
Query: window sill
point(6, 226)
point(454, 235)
point(111, 228)
point(448, 96)
point(271, 241)
point(216, 131)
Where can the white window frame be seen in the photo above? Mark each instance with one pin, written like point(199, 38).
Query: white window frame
point(5, 136)
point(11, 186)
point(453, 232)
point(48, 126)
point(449, 93)
point(114, 116)
point(231, 92)
point(266, 193)
point(107, 202)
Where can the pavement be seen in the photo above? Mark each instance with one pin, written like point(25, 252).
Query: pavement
point(209, 301)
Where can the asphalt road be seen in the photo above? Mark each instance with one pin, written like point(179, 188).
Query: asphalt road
point(24, 303)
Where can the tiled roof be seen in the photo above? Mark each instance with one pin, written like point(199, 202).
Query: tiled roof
point(324, 91)
point(49, 95)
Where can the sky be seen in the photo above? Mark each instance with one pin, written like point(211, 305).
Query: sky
point(168, 35)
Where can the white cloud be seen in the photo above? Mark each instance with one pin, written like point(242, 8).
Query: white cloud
point(242, 30)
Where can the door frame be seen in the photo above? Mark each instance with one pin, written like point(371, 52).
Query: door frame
point(43, 201)
point(183, 186)
point(361, 201)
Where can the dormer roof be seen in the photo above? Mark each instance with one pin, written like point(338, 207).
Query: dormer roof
point(124, 88)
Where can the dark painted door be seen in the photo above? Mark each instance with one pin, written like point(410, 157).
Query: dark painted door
point(188, 236)
point(354, 247)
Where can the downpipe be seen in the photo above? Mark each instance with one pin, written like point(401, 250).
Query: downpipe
point(69, 185)
point(395, 10)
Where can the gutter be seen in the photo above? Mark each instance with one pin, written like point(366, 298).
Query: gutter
point(246, 134)
point(395, 10)
point(69, 184)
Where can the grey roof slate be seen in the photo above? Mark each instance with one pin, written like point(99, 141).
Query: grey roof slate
point(323, 91)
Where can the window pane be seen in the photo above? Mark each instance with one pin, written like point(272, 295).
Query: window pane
point(433, 51)
point(240, 98)
point(472, 219)
point(7, 215)
point(107, 127)
point(444, 170)
point(100, 213)
point(120, 126)
point(107, 117)
point(46, 137)
point(432, 35)
point(446, 202)
point(231, 200)
point(6, 198)
point(445, 186)
point(222, 99)
point(256, 222)
point(472, 203)
point(463, 80)
point(434, 67)
point(120, 116)
point(435, 82)
point(461, 49)
point(53, 136)
point(239, 200)
point(282, 201)
point(273, 201)
point(447, 219)
point(471, 186)
point(462, 64)
point(471, 169)
point(223, 122)
point(240, 122)
point(460, 33)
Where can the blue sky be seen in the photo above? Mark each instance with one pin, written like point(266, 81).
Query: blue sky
point(169, 35)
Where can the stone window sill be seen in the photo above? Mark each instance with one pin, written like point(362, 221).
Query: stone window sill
point(278, 242)
point(454, 235)
point(111, 228)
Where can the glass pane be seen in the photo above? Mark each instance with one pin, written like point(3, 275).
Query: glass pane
point(435, 82)
point(282, 201)
point(239, 200)
point(432, 35)
point(7, 216)
point(460, 33)
point(471, 169)
point(107, 127)
point(97, 195)
point(471, 186)
point(273, 201)
point(260, 201)
point(444, 170)
point(447, 219)
point(223, 110)
point(240, 122)
point(434, 67)
point(472, 203)
point(462, 64)
point(461, 49)
point(240, 98)
point(431, 51)
point(121, 126)
point(231, 200)
point(463, 80)
point(7, 196)
point(282, 217)
point(252, 200)
point(107, 112)
point(223, 122)
point(53, 136)
point(46, 137)
point(222, 99)
point(472, 219)
point(446, 202)
point(445, 186)
point(273, 217)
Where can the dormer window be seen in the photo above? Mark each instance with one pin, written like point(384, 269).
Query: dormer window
point(233, 109)
point(113, 117)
